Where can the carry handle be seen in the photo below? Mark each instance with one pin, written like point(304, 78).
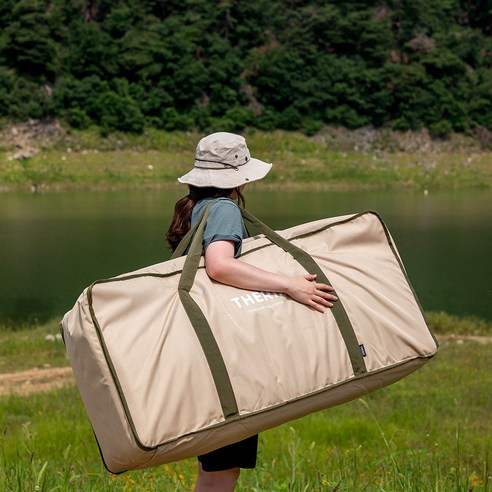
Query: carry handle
point(195, 251)
point(301, 256)
point(185, 241)
point(310, 265)
point(200, 324)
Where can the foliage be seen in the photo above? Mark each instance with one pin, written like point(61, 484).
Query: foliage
point(294, 65)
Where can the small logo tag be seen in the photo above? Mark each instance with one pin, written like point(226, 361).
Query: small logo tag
point(362, 350)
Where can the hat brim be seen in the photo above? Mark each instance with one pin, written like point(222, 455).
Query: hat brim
point(230, 177)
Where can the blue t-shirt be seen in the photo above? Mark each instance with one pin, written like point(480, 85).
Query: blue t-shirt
point(224, 223)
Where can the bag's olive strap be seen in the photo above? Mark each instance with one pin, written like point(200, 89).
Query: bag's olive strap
point(185, 241)
point(202, 327)
point(310, 265)
point(200, 323)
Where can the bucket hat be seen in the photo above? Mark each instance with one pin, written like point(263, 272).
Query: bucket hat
point(223, 160)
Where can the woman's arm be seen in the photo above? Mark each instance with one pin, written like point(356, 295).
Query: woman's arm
point(221, 266)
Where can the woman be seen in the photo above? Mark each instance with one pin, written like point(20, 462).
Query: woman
point(223, 167)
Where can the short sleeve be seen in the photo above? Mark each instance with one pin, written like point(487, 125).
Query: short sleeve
point(225, 223)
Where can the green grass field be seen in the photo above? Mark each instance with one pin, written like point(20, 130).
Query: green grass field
point(429, 432)
point(84, 160)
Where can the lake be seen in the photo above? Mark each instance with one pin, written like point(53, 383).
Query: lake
point(53, 245)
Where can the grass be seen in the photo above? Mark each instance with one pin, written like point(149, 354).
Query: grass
point(447, 324)
point(84, 160)
point(428, 432)
point(31, 346)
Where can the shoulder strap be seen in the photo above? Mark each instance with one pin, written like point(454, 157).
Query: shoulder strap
point(310, 265)
point(186, 240)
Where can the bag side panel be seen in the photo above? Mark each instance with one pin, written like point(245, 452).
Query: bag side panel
point(162, 372)
point(365, 269)
point(97, 389)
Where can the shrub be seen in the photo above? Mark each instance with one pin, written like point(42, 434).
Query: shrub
point(171, 119)
point(77, 118)
point(119, 112)
point(441, 129)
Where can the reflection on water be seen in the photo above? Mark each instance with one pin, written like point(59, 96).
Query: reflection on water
point(54, 245)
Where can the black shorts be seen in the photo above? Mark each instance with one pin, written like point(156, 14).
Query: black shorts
point(241, 454)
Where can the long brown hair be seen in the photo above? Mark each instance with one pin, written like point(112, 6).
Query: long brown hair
point(181, 222)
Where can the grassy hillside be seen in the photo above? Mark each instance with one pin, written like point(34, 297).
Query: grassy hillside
point(331, 160)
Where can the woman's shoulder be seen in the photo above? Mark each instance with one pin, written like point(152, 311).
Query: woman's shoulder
point(225, 207)
point(220, 207)
point(225, 202)
point(217, 203)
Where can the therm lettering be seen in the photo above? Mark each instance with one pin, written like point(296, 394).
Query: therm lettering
point(253, 298)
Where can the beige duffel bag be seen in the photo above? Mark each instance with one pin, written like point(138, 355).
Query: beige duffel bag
point(171, 364)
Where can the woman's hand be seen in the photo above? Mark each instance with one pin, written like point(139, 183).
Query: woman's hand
point(316, 295)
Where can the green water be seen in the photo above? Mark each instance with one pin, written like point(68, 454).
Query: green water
point(53, 245)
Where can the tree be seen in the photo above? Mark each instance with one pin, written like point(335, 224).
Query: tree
point(27, 44)
point(120, 112)
point(297, 64)
point(90, 51)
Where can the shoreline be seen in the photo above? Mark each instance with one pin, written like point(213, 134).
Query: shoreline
point(288, 187)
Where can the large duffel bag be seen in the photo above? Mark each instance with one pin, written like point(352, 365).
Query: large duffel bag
point(171, 364)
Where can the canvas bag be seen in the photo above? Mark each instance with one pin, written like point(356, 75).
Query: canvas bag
point(171, 364)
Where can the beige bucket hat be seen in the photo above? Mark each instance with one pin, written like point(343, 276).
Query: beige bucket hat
point(223, 160)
